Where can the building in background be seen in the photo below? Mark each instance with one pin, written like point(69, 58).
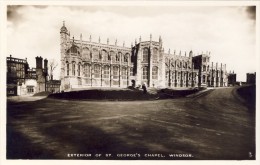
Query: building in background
point(41, 74)
point(94, 64)
point(16, 74)
point(210, 74)
point(53, 86)
point(23, 80)
point(232, 79)
point(251, 78)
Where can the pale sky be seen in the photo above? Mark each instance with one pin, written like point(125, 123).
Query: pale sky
point(227, 32)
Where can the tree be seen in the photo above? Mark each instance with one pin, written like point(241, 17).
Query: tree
point(52, 65)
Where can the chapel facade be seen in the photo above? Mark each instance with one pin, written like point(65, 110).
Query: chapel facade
point(94, 64)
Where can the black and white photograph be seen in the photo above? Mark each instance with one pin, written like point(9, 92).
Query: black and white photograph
point(111, 80)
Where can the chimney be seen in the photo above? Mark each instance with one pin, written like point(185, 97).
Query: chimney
point(38, 62)
point(46, 66)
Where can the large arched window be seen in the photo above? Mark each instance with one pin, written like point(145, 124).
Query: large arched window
point(105, 56)
point(73, 68)
point(173, 63)
point(87, 70)
point(106, 72)
point(79, 64)
point(86, 53)
point(126, 57)
point(115, 72)
point(145, 55)
point(118, 56)
point(95, 54)
point(145, 72)
point(74, 50)
point(155, 72)
point(97, 71)
point(155, 54)
point(124, 73)
point(68, 68)
point(113, 56)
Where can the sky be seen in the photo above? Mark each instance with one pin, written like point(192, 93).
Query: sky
point(228, 32)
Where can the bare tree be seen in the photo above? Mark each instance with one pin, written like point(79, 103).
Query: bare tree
point(52, 65)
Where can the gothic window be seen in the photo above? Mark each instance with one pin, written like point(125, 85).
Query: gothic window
point(73, 68)
point(106, 71)
point(204, 68)
point(145, 55)
point(118, 56)
point(145, 73)
point(105, 56)
point(155, 54)
point(172, 63)
point(87, 70)
point(124, 73)
point(86, 53)
point(155, 73)
point(177, 64)
point(208, 68)
point(113, 56)
point(126, 57)
point(96, 71)
point(180, 64)
point(115, 72)
point(95, 54)
point(79, 69)
point(166, 74)
point(188, 65)
point(68, 68)
point(83, 70)
point(74, 49)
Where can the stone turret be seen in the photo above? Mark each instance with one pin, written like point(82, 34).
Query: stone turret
point(64, 41)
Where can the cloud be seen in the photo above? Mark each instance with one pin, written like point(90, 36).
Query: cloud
point(12, 13)
point(225, 31)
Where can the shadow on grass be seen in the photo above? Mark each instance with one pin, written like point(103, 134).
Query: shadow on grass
point(20, 147)
point(72, 136)
point(94, 94)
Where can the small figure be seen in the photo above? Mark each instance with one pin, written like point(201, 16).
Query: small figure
point(144, 89)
